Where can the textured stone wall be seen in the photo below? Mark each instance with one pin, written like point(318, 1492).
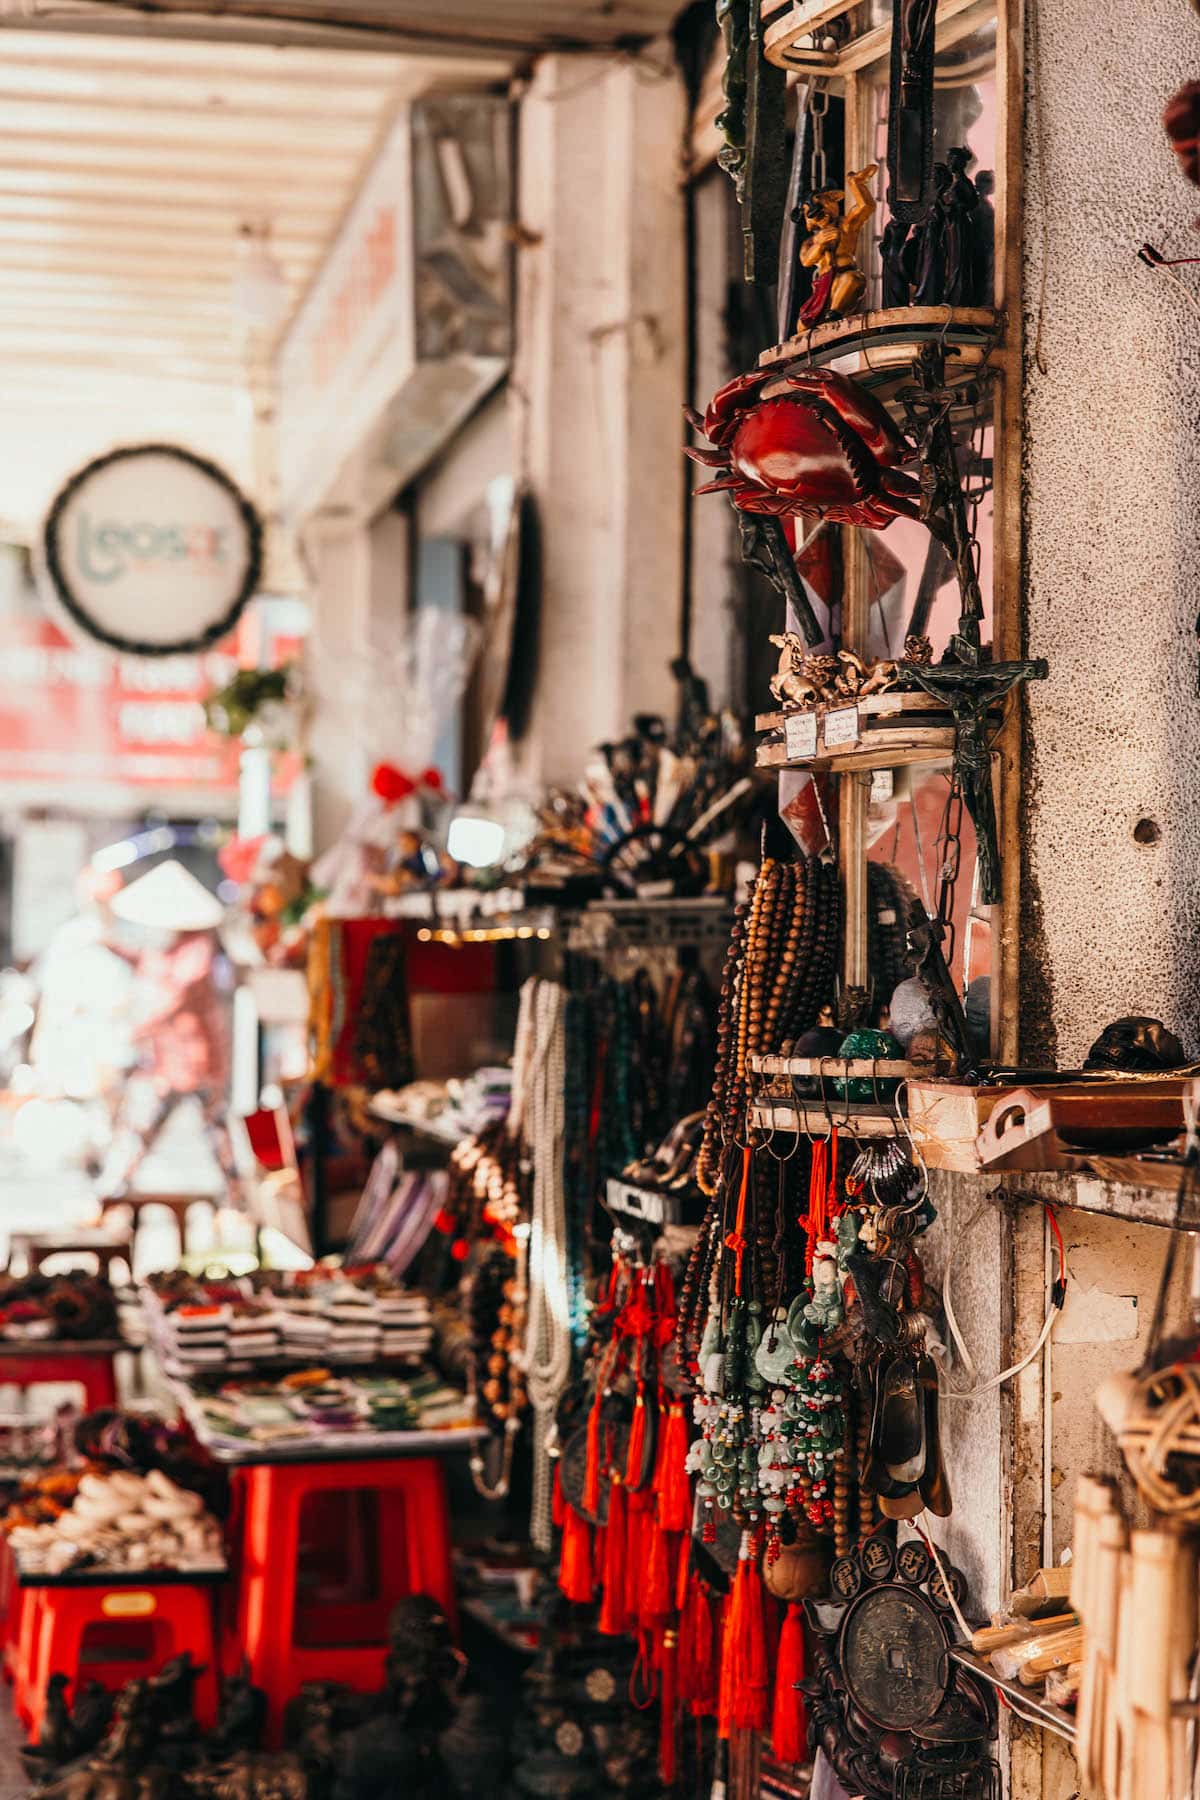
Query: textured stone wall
point(1112, 542)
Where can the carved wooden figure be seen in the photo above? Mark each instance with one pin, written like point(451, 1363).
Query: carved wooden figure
point(833, 233)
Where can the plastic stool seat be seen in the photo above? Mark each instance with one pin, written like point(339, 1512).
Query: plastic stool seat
point(413, 1552)
point(57, 1622)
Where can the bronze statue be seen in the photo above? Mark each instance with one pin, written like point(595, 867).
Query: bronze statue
point(838, 283)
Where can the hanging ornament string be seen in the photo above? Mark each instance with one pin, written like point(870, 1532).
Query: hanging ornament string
point(548, 1339)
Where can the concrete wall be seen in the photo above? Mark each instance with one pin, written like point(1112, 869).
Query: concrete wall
point(1112, 473)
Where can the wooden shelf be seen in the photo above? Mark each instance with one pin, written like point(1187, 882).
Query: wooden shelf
point(788, 24)
point(879, 350)
point(814, 1119)
point(832, 1068)
point(1027, 1703)
point(882, 731)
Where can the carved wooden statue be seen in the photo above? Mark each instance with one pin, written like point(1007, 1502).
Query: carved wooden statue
point(833, 233)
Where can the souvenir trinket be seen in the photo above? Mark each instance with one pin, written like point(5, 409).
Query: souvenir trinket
point(828, 249)
point(884, 1695)
point(824, 447)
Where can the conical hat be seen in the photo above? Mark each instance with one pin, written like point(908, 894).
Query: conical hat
point(169, 898)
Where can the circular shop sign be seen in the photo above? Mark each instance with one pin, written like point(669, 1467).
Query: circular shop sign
point(153, 551)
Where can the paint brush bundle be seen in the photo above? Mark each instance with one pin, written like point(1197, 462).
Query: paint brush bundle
point(646, 811)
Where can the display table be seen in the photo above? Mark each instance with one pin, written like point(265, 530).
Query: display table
point(89, 1364)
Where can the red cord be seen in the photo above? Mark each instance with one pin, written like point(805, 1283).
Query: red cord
point(1058, 1236)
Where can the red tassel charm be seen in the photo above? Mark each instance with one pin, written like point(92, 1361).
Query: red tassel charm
point(635, 1455)
point(639, 1524)
point(575, 1573)
point(612, 1607)
point(674, 1488)
point(682, 1582)
point(668, 1722)
point(656, 1600)
point(558, 1506)
point(789, 1717)
point(745, 1681)
point(697, 1653)
point(591, 1468)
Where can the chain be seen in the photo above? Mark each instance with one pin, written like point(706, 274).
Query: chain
point(818, 107)
point(950, 851)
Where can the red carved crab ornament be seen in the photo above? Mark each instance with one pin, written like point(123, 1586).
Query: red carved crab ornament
point(826, 448)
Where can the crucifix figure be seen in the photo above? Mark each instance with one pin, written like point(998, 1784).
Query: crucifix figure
point(972, 695)
point(966, 681)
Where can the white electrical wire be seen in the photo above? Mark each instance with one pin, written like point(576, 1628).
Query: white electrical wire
point(964, 1355)
point(932, 1548)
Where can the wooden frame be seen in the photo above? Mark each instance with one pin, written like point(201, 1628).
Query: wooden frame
point(849, 67)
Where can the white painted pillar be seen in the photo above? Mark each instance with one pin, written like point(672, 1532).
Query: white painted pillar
point(337, 669)
point(599, 387)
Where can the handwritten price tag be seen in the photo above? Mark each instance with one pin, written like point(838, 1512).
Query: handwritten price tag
point(841, 727)
point(800, 730)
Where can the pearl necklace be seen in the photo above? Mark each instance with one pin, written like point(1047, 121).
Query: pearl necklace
point(548, 1337)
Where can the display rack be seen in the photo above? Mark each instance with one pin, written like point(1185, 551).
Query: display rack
point(882, 731)
point(788, 23)
point(647, 1204)
point(668, 923)
point(815, 1118)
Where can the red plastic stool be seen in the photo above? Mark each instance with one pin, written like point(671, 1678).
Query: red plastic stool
point(92, 1370)
point(64, 1623)
point(288, 1638)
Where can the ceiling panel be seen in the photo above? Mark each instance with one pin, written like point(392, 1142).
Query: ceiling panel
point(128, 165)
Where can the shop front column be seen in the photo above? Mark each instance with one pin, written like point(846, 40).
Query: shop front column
point(599, 386)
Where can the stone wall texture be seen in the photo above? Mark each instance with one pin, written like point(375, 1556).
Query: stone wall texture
point(1112, 473)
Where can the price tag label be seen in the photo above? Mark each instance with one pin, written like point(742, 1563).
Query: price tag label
point(841, 727)
point(800, 730)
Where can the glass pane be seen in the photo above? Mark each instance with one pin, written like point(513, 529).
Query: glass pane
point(907, 827)
point(964, 112)
point(911, 582)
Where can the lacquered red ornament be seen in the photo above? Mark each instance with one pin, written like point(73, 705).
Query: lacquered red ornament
point(825, 448)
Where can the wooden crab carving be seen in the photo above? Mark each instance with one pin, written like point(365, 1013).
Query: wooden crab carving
point(826, 448)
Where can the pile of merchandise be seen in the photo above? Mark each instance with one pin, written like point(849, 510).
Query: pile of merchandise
point(68, 1308)
point(132, 1494)
point(353, 1316)
point(314, 1406)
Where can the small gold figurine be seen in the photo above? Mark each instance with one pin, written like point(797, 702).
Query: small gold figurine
point(838, 284)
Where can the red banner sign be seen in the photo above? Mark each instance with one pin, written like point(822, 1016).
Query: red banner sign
point(74, 714)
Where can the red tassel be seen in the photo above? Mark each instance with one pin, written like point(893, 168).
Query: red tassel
point(674, 1488)
point(635, 1454)
point(682, 1584)
point(612, 1607)
point(575, 1576)
point(656, 1600)
point(789, 1718)
point(697, 1653)
point(591, 1470)
point(639, 1523)
point(668, 1724)
point(558, 1506)
point(745, 1682)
